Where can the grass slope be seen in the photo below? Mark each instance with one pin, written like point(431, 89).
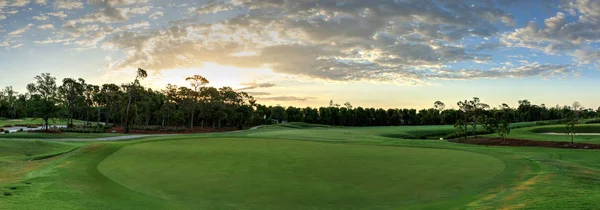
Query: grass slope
point(278, 174)
point(34, 135)
point(537, 133)
point(533, 178)
point(36, 121)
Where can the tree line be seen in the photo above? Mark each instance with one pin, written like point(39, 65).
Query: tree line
point(200, 105)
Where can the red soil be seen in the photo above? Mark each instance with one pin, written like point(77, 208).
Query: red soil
point(527, 143)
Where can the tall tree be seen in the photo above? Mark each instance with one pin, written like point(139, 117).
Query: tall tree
point(11, 100)
point(197, 82)
point(71, 93)
point(141, 74)
point(45, 97)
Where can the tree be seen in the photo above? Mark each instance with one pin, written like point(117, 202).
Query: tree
point(11, 99)
point(503, 129)
point(571, 122)
point(141, 74)
point(71, 93)
point(197, 82)
point(440, 106)
point(460, 127)
point(44, 96)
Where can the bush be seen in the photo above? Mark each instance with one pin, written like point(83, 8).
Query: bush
point(8, 126)
point(550, 122)
point(470, 133)
point(6, 132)
point(159, 128)
point(596, 121)
point(83, 130)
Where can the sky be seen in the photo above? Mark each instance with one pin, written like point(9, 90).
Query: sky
point(376, 53)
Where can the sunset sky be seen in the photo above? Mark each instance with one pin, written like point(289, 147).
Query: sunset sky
point(376, 53)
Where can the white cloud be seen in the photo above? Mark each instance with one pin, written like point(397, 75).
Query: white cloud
point(20, 31)
point(59, 14)
point(40, 17)
point(68, 4)
point(156, 15)
point(20, 3)
point(46, 26)
point(17, 46)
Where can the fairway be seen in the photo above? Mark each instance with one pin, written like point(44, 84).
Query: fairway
point(238, 173)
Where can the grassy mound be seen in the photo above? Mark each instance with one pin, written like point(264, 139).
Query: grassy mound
point(301, 125)
point(581, 128)
point(240, 173)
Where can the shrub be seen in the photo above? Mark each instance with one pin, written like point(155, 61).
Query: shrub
point(7, 193)
point(8, 126)
point(6, 132)
point(596, 121)
point(159, 128)
point(550, 122)
point(470, 133)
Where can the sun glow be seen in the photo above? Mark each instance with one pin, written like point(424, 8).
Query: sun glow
point(218, 75)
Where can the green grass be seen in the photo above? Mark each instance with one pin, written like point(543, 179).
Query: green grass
point(278, 174)
point(537, 133)
point(34, 135)
point(299, 167)
point(16, 156)
point(36, 121)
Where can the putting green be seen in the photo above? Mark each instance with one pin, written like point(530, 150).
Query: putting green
point(281, 174)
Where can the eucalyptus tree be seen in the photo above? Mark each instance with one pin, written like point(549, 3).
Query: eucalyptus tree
point(197, 82)
point(110, 96)
point(44, 95)
point(71, 93)
point(141, 74)
point(503, 129)
point(10, 98)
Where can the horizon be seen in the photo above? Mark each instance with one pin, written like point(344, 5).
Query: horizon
point(382, 54)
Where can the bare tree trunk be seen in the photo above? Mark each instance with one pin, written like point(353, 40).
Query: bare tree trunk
point(202, 124)
point(192, 120)
point(127, 115)
point(98, 115)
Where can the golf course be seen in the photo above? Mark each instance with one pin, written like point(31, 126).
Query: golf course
point(297, 166)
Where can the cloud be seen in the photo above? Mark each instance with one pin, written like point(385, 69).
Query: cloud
point(285, 98)
point(156, 15)
point(355, 41)
point(59, 14)
point(40, 17)
point(255, 85)
point(108, 10)
point(212, 8)
point(20, 3)
point(41, 2)
point(17, 46)
point(528, 70)
point(45, 26)
point(20, 31)
point(68, 4)
point(406, 42)
point(258, 93)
